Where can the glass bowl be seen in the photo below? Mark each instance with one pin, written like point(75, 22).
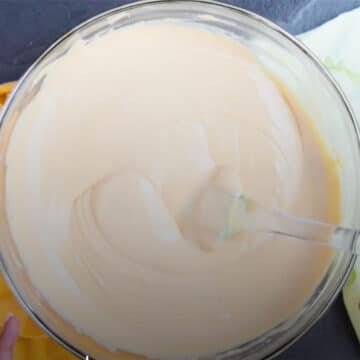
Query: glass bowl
point(289, 61)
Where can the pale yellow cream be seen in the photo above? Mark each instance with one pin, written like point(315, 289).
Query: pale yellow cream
point(104, 165)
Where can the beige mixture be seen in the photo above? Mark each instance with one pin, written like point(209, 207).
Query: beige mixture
point(102, 177)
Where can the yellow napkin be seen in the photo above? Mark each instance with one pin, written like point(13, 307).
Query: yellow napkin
point(5, 90)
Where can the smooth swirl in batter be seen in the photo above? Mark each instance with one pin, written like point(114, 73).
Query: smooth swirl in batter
point(102, 178)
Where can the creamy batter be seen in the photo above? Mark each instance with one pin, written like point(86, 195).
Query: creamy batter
point(104, 166)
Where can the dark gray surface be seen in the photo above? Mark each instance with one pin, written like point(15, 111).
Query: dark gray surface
point(28, 27)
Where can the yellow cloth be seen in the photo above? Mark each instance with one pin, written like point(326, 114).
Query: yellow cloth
point(5, 90)
point(32, 343)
